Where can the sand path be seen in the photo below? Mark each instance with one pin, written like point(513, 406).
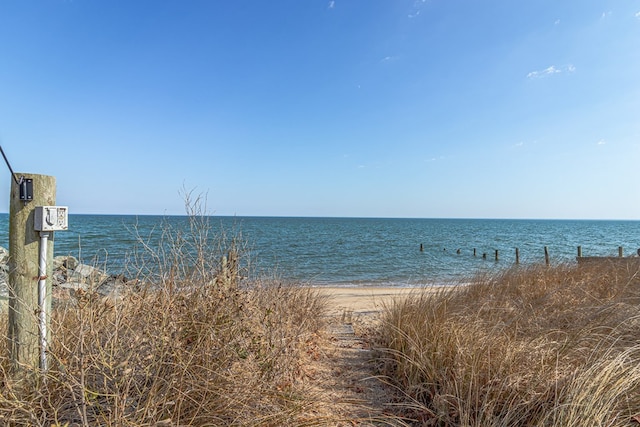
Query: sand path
point(344, 372)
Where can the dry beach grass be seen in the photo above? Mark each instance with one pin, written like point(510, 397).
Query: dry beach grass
point(185, 355)
point(193, 344)
point(534, 346)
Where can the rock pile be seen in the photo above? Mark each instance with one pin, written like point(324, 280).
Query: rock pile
point(71, 278)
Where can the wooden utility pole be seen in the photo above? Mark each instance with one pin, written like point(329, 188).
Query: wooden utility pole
point(24, 246)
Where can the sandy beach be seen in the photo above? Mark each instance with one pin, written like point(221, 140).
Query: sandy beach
point(363, 300)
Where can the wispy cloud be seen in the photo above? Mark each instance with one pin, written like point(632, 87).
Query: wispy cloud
point(389, 59)
point(605, 15)
point(602, 142)
point(417, 8)
point(435, 159)
point(557, 22)
point(332, 4)
point(637, 15)
point(546, 72)
point(550, 71)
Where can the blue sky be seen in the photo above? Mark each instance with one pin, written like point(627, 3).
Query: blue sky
point(368, 108)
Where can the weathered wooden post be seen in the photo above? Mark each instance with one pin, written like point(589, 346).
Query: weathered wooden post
point(517, 256)
point(228, 274)
point(474, 251)
point(546, 255)
point(620, 251)
point(579, 251)
point(497, 255)
point(24, 250)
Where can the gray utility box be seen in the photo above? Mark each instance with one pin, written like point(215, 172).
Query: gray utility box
point(51, 218)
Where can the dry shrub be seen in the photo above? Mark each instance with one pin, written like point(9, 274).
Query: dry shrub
point(195, 344)
point(534, 346)
point(208, 356)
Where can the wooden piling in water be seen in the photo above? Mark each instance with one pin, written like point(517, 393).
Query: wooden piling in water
point(497, 259)
point(546, 255)
point(579, 251)
point(517, 256)
point(620, 251)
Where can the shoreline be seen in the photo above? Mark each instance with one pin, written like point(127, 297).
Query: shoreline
point(365, 300)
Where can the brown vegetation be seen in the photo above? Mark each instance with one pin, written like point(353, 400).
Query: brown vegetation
point(194, 344)
point(533, 346)
point(207, 356)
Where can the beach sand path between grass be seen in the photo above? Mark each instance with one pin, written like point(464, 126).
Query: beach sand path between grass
point(343, 372)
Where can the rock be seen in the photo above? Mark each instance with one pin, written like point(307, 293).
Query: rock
point(4, 255)
point(4, 288)
point(4, 280)
point(74, 286)
point(84, 273)
point(73, 281)
point(59, 277)
point(65, 261)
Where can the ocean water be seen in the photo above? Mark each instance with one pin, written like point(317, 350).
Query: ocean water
point(356, 251)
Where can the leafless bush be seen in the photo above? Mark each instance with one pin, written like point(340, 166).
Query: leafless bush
point(195, 346)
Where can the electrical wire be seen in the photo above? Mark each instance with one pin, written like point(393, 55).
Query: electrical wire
point(9, 166)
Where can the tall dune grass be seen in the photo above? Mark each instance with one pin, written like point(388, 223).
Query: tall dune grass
point(194, 344)
point(536, 346)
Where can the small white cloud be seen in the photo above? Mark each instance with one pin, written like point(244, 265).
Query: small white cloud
point(551, 70)
point(546, 72)
point(519, 144)
point(637, 15)
point(417, 8)
point(602, 142)
point(389, 58)
point(332, 4)
point(605, 15)
point(557, 22)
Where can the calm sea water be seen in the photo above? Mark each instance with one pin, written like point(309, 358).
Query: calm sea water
point(352, 251)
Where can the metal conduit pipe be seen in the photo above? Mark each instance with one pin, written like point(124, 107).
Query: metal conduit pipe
point(42, 294)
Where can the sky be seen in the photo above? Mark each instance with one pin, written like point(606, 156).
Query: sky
point(347, 108)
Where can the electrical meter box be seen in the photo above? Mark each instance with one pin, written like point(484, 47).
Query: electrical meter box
point(51, 218)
